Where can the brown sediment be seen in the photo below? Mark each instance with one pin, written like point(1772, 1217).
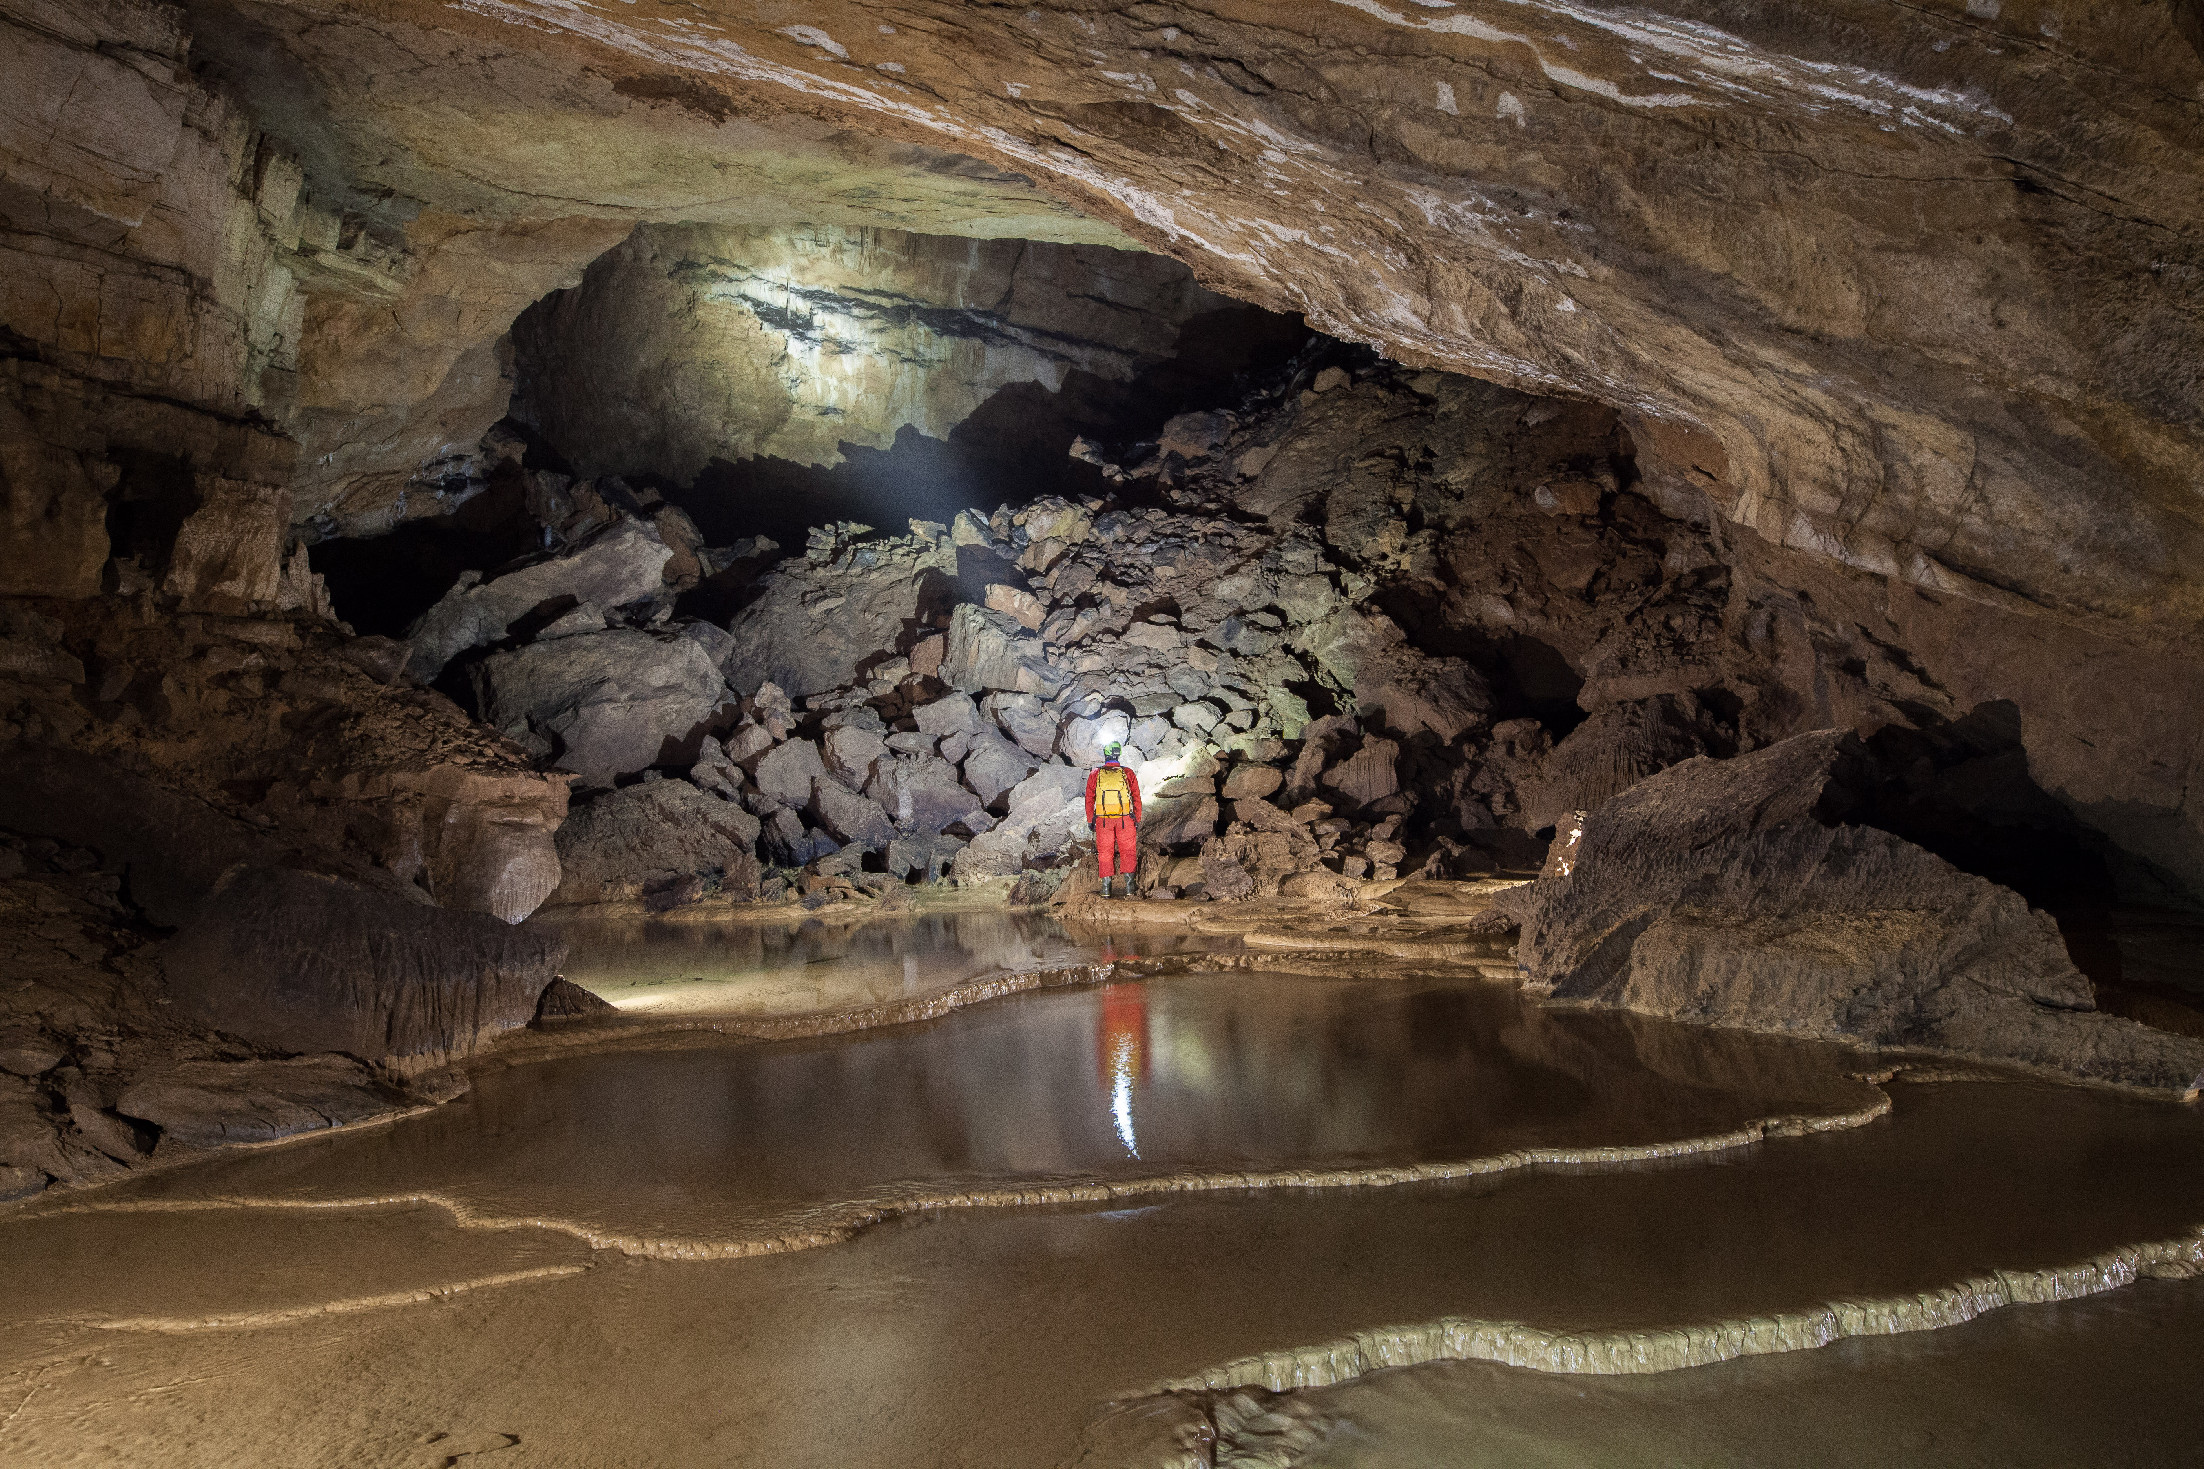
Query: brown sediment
point(837, 1224)
point(1609, 1353)
point(614, 1032)
point(253, 1320)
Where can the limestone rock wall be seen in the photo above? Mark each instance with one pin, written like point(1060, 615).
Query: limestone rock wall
point(692, 343)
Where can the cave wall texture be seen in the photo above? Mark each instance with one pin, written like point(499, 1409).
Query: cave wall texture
point(690, 343)
point(1909, 293)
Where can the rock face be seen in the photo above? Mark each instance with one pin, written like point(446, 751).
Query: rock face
point(602, 704)
point(305, 963)
point(648, 839)
point(176, 747)
point(1725, 893)
point(624, 563)
point(792, 343)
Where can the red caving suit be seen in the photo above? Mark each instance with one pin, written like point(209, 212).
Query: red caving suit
point(1116, 838)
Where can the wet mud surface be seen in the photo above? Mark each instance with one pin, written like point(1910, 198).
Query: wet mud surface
point(261, 1310)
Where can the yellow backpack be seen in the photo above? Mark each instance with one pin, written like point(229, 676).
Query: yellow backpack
point(1113, 794)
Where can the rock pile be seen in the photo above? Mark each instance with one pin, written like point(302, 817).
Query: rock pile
point(929, 704)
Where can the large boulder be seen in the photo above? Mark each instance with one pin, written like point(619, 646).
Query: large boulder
point(850, 818)
point(624, 563)
point(812, 626)
point(1725, 893)
point(298, 962)
point(922, 793)
point(993, 650)
point(603, 704)
point(785, 771)
point(647, 838)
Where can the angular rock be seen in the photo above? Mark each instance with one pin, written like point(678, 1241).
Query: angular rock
point(923, 857)
point(1084, 739)
point(853, 753)
point(952, 713)
point(992, 765)
point(1026, 720)
point(785, 772)
point(1716, 892)
point(1368, 775)
point(990, 650)
point(922, 794)
point(1181, 821)
point(299, 962)
point(1253, 782)
point(747, 743)
point(628, 843)
point(604, 704)
point(1018, 603)
point(624, 563)
point(848, 817)
point(562, 999)
point(786, 842)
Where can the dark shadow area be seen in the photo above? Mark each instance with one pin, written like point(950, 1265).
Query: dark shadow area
point(380, 584)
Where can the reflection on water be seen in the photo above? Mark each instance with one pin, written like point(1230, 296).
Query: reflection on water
point(1121, 1046)
point(1215, 1072)
point(677, 966)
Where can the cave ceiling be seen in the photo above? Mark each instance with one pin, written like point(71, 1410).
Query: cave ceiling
point(1912, 287)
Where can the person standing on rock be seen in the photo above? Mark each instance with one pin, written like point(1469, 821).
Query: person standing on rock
point(1113, 810)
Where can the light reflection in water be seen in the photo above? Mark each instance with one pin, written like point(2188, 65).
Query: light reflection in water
point(1121, 1051)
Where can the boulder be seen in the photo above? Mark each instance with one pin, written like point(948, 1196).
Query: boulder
point(1367, 776)
point(562, 999)
point(624, 563)
point(1178, 821)
point(851, 819)
point(1726, 893)
point(603, 704)
point(1018, 603)
point(1253, 782)
point(992, 650)
point(853, 753)
point(922, 857)
point(997, 853)
point(786, 771)
point(786, 842)
point(299, 962)
point(952, 713)
point(749, 740)
point(922, 793)
point(1028, 721)
point(640, 839)
point(812, 626)
point(992, 765)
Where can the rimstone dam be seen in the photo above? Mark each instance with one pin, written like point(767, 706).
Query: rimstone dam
point(897, 734)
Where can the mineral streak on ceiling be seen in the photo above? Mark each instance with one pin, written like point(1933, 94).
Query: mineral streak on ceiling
point(693, 343)
point(1856, 271)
